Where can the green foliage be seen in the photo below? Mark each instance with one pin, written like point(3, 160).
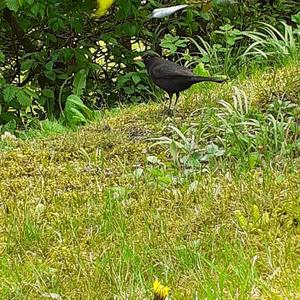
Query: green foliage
point(236, 130)
point(247, 130)
point(45, 44)
point(186, 152)
point(272, 44)
point(224, 55)
point(2, 57)
point(76, 113)
point(172, 43)
point(135, 85)
point(237, 49)
point(256, 221)
point(45, 129)
point(79, 83)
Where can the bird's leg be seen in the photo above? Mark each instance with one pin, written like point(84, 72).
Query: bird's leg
point(168, 110)
point(171, 96)
point(177, 96)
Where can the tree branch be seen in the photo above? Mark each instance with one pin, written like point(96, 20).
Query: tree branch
point(18, 31)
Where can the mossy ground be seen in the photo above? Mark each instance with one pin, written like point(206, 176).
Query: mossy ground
point(85, 214)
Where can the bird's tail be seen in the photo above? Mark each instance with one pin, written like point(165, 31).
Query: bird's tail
point(213, 79)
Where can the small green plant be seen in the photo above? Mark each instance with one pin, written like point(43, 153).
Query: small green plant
point(231, 37)
point(229, 49)
point(135, 85)
point(238, 125)
point(224, 53)
point(173, 43)
point(254, 221)
point(76, 112)
point(272, 44)
point(235, 130)
point(249, 133)
point(185, 151)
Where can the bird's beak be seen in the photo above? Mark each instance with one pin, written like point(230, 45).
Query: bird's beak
point(138, 58)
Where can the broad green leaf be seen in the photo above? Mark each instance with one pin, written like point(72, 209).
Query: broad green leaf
point(129, 90)
point(23, 98)
point(48, 93)
point(296, 18)
point(11, 124)
point(49, 66)
point(66, 54)
point(31, 93)
point(26, 64)
point(76, 112)
point(200, 68)
point(82, 60)
point(61, 24)
point(3, 4)
point(77, 25)
point(79, 82)
point(130, 29)
point(212, 149)
point(2, 80)
point(205, 15)
point(136, 78)
point(42, 100)
point(35, 8)
point(9, 93)
point(13, 5)
point(124, 11)
point(50, 75)
point(62, 76)
point(231, 40)
point(174, 150)
point(226, 27)
point(205, 58)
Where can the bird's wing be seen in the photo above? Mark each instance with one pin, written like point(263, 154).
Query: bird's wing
point(170, 70)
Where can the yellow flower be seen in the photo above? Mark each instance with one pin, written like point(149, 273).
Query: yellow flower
point(103, 7)
point(161, 292)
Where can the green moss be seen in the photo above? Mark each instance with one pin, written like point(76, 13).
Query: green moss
point(84, 213)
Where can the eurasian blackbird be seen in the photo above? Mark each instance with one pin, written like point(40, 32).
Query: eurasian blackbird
point(169, 76)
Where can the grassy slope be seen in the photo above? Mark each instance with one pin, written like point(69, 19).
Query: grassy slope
point(78, 220)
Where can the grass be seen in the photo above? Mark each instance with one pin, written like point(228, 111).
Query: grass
point(100, 213)
point(46, 128)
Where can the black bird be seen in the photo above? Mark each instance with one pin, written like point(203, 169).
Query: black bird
point(169, 76)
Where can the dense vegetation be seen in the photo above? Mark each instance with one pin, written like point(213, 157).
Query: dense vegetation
point(207, 200)
point(53, 49)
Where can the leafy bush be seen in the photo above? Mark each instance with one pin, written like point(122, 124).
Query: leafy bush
point(53, 49)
